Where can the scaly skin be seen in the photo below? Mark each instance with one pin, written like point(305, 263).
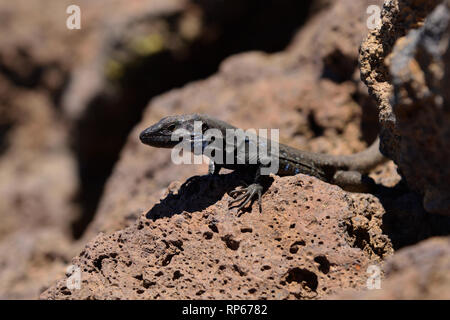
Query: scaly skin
point(345, 171)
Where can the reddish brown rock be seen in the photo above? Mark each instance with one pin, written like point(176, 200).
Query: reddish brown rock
point(32, 261)
point(417, 272)
point(305, 245)
point(405, 64)
point(38, 183)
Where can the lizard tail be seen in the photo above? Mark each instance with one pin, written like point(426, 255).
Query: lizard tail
point(365, 160)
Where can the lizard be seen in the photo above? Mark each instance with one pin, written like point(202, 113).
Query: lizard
point(346, 171)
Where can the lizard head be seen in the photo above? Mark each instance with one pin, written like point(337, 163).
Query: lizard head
point(160, 134)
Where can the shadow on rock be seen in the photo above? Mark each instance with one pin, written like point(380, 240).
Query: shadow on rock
point(200, 192)
point(406, 222)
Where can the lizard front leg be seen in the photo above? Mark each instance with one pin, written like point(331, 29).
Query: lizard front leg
point(213, 168)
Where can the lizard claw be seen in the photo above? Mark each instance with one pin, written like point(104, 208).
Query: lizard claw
point(245, 196)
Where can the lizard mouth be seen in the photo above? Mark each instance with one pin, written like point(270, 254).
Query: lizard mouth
point(160, 140)
point(156, 140)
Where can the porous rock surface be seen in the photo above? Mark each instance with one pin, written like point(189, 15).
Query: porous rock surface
point(405, 65)
point(417, 272)
point(310, 241)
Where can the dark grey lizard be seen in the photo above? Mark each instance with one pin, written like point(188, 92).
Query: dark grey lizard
point(345, 170)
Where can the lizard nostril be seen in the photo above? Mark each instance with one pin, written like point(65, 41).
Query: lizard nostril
point(143, 135)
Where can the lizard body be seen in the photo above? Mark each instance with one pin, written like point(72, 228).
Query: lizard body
point(345, 170)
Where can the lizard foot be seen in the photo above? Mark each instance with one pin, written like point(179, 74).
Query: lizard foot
point(245, 195)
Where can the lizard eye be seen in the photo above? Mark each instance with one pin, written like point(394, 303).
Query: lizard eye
point(171, 127)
